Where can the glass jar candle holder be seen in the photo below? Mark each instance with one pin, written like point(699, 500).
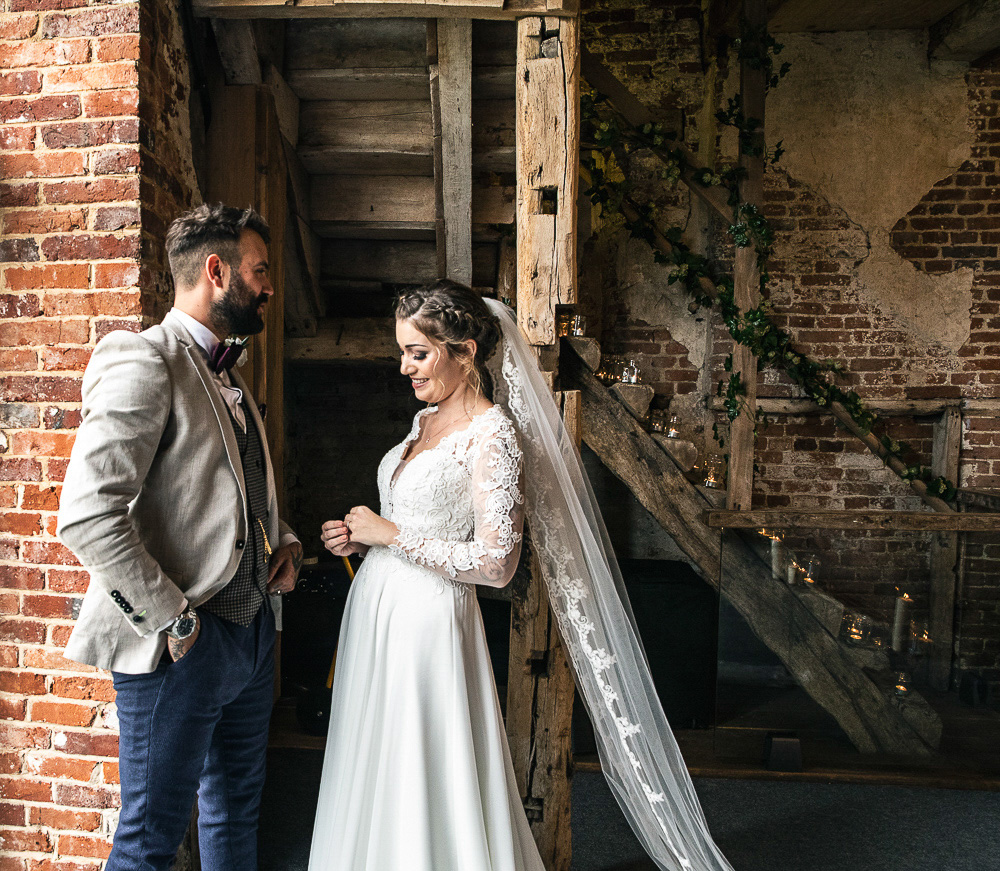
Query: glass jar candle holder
point(715, 472)
point(674, 427)
point(578, 326)
point(658, 420)
point(564, 323)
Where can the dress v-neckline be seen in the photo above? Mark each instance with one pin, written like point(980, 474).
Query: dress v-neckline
point(417, 429)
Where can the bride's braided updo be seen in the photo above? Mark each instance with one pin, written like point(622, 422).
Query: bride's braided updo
point(451, 314)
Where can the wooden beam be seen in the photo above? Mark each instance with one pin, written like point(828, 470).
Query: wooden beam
point(968, 33)
point(598, 76)
point(237, 51)
point(897, 521)
point(379, 125)
point(944, 555)
point(540, 693)
point(286, 103)
point(488, 9)
point(408, 202)
point(371, 340)
point(451, 102)
point(743, 430)
point(884, 407)
point(548, 146)
point(821, 665)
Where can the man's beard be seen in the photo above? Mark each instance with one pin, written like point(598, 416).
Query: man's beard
point(238, 309)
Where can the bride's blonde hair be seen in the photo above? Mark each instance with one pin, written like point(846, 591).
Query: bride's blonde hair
point(451, 315)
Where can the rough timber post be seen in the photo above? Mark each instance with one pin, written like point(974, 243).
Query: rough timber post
point(753, 87)
point(540, 689)
point(548, 158)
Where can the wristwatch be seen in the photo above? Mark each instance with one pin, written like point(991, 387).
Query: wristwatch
point(184, 626)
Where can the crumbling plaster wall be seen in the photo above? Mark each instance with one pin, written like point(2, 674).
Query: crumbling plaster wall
point(869, 124)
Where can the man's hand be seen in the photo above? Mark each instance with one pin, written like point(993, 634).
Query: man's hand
point(179, 647)
point(283, 570)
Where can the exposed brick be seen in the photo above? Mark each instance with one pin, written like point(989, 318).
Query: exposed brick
point(17, 138)
point(105, 104)
point(46, 659)
point(38, 221)
point(21, 578)
point(83, 845)
point(20, 523)
point(92, 77)
point(63, 819)
point(103, 744)
point(52, 108)
point(57, 417)
point(68, 581)
point(18, 26)
point(25, 789)
point(14, 195)
point(43, 444)
point(25, 840)
point(78, 795)
point(75, 359)
point(19, 305)
point(116, 274)
point(48, 277)
point(110, 772)
point(23, 631)
point(18, 250)
point(24, 82)
point(14, 736)
point(43, 53)
point(108, 304)
point(91, 133)
point(115, 161)
point(40, 498)
point(104, 190)
point(112, 48)
point(96, 22)
point(47, 553)
point(19, 469)
point(91, 688)
point(40, 388)
point(11, 813)
point(85, 246)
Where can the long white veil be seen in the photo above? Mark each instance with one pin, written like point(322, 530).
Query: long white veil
point(639, 756)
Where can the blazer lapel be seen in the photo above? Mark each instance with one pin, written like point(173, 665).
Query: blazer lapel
point(218, 404)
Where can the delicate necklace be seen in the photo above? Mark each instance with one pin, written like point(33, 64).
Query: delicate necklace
point(441, 429)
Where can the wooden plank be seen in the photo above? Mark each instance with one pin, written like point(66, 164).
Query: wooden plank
point(506, 280)
point(399, 262)
point(493, 9)
point(344, 44)
point(360, 83)
point(454, 75)
point(884, 407)
point(869, 717)
point(407, 203)
point(968, 33)
point(742, 430)
point(898, 521)
point(286, 103)
point(349, 160)
point(540, 694)
point(347, 339)
point(237, 51)
point(602, 79)
point(944, 556)
point(397, 125)
point(548, 144)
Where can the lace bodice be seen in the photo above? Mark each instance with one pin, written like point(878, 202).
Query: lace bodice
point(459, 505)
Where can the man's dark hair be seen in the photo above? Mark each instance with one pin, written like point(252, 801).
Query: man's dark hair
point(205, 230)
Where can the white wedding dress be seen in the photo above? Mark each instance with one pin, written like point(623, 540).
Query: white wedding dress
point(417, 774)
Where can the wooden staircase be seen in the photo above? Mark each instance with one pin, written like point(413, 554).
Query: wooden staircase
point(795, 623)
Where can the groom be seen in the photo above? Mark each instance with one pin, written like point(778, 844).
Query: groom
point(169, 502)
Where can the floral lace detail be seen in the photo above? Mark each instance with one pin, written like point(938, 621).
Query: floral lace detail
point(458, 505)
point(569, 594)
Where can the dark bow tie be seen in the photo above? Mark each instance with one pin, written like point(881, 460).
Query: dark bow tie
point(224, 356)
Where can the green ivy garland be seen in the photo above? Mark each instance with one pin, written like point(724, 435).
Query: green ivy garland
point(610, 138)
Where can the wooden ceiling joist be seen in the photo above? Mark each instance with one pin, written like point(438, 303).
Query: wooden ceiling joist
point(238, 51)
point(486, 9)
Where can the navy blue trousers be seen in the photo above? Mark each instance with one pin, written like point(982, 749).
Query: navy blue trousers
point(196, 727)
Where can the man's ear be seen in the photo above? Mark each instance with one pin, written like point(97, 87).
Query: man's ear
point(215, 269)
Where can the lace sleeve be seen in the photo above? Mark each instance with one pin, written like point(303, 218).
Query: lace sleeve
point(491, 556)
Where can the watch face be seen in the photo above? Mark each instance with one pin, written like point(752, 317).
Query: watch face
point(184, 627)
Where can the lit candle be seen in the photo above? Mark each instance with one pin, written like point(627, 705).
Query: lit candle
point(793, 572)
point(777, 557)
point(902, 684)
point(901, 622)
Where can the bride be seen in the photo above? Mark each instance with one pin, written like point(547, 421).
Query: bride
point(417, 773)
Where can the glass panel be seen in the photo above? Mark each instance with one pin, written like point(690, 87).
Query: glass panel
point(848, 655)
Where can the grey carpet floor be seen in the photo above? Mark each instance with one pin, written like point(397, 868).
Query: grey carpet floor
point(760, 826)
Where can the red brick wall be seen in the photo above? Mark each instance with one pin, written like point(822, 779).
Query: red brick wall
point(71, 121)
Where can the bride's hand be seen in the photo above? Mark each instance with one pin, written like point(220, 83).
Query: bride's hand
point(337, 539)
point(366, 527)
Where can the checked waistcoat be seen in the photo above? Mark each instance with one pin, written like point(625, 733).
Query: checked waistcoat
point(242, 597)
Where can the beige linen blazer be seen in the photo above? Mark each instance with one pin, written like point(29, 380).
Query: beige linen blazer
point(154, 504)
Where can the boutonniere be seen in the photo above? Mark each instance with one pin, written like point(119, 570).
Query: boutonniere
point(231, 352)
